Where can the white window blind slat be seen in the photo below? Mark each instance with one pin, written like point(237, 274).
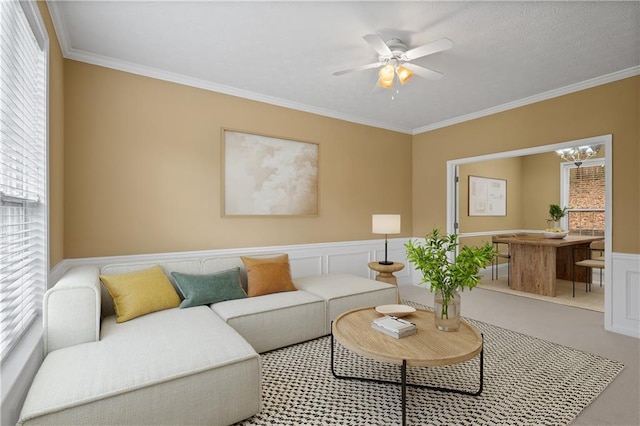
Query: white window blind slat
point(16, 293)
point(23, 218)
point(17, 269)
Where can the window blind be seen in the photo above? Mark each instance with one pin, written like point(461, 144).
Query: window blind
point(23, 244)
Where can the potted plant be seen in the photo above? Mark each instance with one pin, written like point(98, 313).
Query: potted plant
point(555, 214)
point(446, 272)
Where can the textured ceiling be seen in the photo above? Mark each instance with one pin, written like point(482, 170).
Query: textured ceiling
point(505, 53)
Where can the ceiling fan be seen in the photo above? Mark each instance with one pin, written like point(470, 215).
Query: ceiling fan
point(395, 59)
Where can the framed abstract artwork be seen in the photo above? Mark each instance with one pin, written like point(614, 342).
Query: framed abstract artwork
point(268, 176)
point(487, 196)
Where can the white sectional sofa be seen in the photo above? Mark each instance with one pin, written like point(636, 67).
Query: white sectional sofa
point(198, 365)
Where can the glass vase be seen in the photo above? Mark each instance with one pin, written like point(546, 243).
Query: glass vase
point(447, 310)
point(553, 224)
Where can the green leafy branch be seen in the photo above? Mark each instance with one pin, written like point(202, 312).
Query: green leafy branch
point(444, 274)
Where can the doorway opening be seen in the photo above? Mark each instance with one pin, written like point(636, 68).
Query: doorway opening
point(527, 196)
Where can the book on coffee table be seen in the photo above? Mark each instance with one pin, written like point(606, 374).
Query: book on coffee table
point(394, 327)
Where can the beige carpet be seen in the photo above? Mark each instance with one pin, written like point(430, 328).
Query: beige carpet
point(593, 300)
point(527, 382)
point(580, 329)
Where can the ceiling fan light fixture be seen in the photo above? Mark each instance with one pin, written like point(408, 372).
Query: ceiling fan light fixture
point(386, 74)
point(404, 74)
point(394, 59)
point(385, 83)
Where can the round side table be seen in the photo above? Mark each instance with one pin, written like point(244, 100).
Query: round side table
point(385, 273)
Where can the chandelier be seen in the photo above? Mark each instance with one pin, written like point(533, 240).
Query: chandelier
point(388, 72)
point(578, 154)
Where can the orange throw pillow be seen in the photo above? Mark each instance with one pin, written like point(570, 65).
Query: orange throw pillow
point(268, 275)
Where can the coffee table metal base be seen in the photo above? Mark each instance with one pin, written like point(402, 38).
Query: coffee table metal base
point(403, 380)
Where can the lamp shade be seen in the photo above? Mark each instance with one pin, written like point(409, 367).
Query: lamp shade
point(385, 84)
point(386, 73)
point(386, 76)
point(404, 74)
point(385, 223)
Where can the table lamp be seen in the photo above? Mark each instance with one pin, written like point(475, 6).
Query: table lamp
point(385, 224)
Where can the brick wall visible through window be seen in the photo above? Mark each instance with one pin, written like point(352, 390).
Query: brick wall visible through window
point(586, 199)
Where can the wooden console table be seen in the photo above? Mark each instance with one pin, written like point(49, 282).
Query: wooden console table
point(536, 261)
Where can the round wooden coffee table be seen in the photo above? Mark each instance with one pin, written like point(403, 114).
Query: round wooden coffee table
point(429, 347)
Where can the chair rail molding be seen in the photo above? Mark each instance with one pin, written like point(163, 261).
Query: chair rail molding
point(346, 257)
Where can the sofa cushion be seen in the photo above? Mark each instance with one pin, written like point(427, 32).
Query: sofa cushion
point(275, 320)
point(141, 292)
point(344, 292)
point(210, 288)
point(268, 275)
point(168, 367)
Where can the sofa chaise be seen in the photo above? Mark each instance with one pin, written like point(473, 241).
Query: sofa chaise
point(194, 365)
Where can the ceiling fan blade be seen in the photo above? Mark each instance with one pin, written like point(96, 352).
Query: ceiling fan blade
point(422, 71)
point(378, 44)
point(429, 49)
point(360, 68)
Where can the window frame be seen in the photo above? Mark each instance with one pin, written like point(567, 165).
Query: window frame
point(565, 170)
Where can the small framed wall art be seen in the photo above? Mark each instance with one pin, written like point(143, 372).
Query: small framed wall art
point(487, 196)
point(268, 176)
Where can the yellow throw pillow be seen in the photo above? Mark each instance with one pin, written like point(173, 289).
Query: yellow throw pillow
point(268, 275)
point(141, 292)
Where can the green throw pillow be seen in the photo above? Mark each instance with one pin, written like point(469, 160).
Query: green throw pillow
point(206, 289)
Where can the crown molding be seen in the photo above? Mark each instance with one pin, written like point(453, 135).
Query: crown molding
point(59, 26)
point(82, 56)
point(159, 74)
point(107, 62)
point(576, 87)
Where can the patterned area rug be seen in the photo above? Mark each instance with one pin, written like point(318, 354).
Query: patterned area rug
point(527, 381)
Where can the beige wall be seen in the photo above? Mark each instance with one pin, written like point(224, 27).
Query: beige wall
point(509, 169)
point(141, 161)
point(608, 109)
point(56, 142)
point(142, 169)
point(533, 182)
point(541, 186)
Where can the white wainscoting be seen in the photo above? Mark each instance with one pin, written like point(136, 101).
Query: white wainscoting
point(622, 303)
point(622, 298)
point(305, 259)
point(348, 257)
